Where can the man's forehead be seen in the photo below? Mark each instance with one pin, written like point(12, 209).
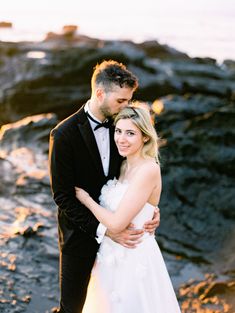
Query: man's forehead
point(120, 90)
point(122, 93)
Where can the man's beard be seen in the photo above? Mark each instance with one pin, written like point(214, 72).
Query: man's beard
point(105, 110)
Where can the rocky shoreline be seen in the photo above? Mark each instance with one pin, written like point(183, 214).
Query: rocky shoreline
point(194, 103)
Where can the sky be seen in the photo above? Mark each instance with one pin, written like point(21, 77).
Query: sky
point(199, 25)
point(67, 8)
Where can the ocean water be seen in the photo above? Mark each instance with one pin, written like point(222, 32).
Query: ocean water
point(204, 29)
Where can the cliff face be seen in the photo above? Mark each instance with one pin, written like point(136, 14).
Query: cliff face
point(196, 124)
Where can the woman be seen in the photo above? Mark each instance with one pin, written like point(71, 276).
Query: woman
point(130, 280)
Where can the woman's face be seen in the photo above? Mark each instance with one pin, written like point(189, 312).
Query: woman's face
point(128, 138)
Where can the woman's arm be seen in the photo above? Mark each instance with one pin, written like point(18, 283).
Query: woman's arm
point(146, 179)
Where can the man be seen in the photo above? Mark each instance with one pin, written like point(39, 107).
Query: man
point(83, 153)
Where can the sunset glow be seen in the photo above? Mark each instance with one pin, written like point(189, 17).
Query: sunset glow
point(197, 27)
point(158, 106)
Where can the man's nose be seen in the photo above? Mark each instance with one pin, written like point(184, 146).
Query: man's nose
point(125, 104)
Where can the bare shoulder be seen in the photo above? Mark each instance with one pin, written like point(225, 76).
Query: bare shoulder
point(149, 168)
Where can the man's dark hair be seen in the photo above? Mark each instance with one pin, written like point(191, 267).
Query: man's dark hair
point(109, 73)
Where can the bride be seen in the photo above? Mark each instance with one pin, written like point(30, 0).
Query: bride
point(130, 280)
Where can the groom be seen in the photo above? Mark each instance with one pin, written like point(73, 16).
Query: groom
point(83, 153)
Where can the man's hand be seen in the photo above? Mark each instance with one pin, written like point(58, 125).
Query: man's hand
point(128, 238)
point(151, 226)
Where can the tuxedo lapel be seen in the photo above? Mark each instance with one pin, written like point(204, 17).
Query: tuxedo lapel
point(114, 156)
point(89, 139)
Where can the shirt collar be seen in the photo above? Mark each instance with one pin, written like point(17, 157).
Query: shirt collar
point(87, 109)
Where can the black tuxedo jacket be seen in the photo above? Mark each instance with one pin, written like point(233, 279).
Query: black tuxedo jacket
point(75, 161)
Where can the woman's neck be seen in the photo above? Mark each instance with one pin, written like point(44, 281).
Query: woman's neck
point(133, 161)
point(131, 165)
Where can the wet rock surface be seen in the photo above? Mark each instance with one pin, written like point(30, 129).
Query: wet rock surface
point(198, 197)
point(195, 113)
point(54, 76)
point(28, 237)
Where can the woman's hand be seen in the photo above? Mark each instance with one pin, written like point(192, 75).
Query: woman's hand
point(82, 195)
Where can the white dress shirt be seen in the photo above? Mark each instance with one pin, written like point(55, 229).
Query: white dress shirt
point(103, 143)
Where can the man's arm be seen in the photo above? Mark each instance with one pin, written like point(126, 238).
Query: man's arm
point(131, 203)
point(152, 225)
point(63, 181)
point(131, 237)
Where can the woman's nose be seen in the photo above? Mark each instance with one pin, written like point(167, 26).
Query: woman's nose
point(121, 137)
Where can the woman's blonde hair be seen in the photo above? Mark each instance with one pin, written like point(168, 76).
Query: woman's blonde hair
point(139, 114)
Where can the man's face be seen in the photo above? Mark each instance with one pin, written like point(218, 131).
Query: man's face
point(115, 100)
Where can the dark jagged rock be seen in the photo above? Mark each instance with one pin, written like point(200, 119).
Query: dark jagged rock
point(59, 81)
point(197, 155)
point(155, 50)
point(198, 167)
point(28, 237)
point(211, 295)
point(32, 132)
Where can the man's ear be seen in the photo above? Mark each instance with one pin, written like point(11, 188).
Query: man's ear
point(100, 94)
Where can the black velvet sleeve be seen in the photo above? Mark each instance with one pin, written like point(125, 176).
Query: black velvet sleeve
point(62, 175)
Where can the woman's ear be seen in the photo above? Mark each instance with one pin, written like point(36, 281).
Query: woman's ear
point(145, 139)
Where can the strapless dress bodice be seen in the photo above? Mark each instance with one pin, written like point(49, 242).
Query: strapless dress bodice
point(111, 195)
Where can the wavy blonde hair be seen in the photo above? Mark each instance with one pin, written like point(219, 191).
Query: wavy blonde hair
point(138, 113)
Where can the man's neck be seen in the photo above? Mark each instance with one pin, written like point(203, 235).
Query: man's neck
point(94, 108)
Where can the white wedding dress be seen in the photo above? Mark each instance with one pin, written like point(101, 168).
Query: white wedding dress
point(129, 280)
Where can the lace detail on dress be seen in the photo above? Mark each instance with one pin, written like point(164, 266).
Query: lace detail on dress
point(112, 254)
point(111, 194)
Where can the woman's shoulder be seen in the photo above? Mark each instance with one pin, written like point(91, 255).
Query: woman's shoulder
point(149, 168)
point(150, 164)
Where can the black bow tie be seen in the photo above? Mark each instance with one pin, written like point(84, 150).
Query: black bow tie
point(106, 124)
